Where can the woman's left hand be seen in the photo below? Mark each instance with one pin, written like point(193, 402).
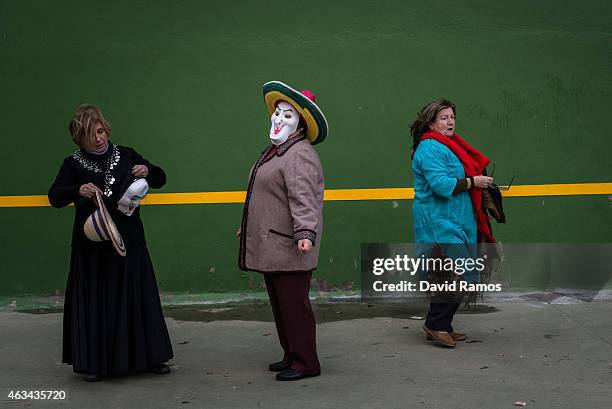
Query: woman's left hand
point(483, 182)
point(304, 246)
point(140, 171)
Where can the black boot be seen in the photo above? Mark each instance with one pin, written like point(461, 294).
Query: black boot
point(279, 366)
point(290, 374)
point(91, 377)
point(160, 369)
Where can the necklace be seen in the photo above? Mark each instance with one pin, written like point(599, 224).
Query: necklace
point(95, 167)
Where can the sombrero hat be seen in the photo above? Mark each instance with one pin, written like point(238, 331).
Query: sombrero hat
point(304, 102)
point(100, 227)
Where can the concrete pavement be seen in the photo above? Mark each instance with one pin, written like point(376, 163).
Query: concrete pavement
point(546, 355)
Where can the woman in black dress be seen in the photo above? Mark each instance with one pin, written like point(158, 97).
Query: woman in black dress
point(113, 321)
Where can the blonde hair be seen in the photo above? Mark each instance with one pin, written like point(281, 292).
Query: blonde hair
point(82, 127)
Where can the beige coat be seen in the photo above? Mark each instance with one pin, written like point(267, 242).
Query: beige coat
point(284, 204)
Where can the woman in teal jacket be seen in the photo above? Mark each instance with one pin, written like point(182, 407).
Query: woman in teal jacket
point(447, 211)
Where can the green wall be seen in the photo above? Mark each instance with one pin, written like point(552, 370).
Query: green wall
point(181, 82)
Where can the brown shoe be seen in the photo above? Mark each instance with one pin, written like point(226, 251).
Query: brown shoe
point(458, 336)
point(442, 338)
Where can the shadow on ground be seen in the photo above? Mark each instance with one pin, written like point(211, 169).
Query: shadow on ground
point(261, 311)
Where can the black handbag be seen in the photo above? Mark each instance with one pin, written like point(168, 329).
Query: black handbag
point(492, 201)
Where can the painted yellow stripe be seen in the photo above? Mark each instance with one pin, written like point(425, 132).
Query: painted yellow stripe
point(195, 198)
point(370, 194)
point(24, 201)
point(569, 189)
point(331, 195)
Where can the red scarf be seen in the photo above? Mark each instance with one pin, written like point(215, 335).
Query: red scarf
point(474, 164)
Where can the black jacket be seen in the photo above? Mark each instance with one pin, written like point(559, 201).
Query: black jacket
point(72, 174)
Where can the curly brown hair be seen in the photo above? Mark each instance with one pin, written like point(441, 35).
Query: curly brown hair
point(83, 124)
point(427, 116)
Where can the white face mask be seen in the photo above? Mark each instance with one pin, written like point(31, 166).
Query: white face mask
point(285, 120)
point(132, 196)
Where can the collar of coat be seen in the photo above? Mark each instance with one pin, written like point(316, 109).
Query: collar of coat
point(284, 147)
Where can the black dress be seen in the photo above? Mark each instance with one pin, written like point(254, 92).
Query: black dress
point(113, 321)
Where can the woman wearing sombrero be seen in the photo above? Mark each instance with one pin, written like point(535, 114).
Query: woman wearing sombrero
point(113, 321)
point(282, 223)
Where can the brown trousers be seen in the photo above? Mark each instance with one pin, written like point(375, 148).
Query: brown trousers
point(295, 321)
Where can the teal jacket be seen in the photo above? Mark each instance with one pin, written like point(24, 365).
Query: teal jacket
point(440, 216)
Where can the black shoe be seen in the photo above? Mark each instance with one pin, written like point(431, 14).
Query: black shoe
point(279, 366)
point(91, 377)
point(160, 369)
point(291, 374)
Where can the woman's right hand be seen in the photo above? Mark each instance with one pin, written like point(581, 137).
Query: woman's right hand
point(482, 182)
point(89, 190)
